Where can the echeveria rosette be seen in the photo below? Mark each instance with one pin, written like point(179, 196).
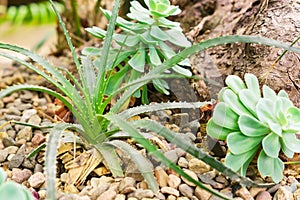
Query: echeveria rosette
point(252, 123)
point(144, 41)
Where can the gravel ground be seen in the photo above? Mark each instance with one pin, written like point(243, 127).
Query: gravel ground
point(35, 108)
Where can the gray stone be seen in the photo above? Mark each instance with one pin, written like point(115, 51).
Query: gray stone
point(14, 111)
point(186, 190)
point(3, 155)
point(35, 120)
point(172, 155)
point(182, 162)
point(27, 114)
point(12, 149)
point(16, 161)
point(36, 180)
point(120, 197)
point(205, 178)
point(8, 141)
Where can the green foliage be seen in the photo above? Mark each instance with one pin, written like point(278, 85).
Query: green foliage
point(87, 98)
point(33, 13)
point(12, 190)
point(143, 43)
point(252, 123)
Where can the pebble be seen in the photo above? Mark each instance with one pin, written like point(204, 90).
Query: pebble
point(120, 197)
point(27, 114)
point(98, 189)
point(140, 194)
point(108, 195)
point(172, 155)
point(297, 194)
point(127, 182)
point(161, 176)
point(186, 190)
point(244, 193)
point(182, 162)
point(25, 133)
point(3, 155)
point(263, 195)
point(35, 120)
point(191, 174)
point(38, 139)
point(36, 180)
point(203, 194)
point(12, 149)
point(283, 194)
point(206, 178)
point(169, 190)
point(19, 175)
point(16, 161)
point(198, 166)
point(171, 197)
point(255, 190)
point(8, 141)
point(173, 181)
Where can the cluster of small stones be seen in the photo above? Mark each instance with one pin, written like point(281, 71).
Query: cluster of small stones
point(17, 141)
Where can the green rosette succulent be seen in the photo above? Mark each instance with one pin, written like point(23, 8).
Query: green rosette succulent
point(145, 42)
point(252, 124)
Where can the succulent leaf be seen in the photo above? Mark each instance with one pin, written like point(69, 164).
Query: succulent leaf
point(249, 100)
point(217, 131)
point(235, 83)
point(224, 116)
point(238, 143)
point(251, 127)
point(252, 84)
point(271, 145)
point(236, 161)
point(234, 102)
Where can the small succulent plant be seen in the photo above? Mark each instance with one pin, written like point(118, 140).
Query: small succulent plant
point(251, 124)
point(145, 43)
point(11, 190)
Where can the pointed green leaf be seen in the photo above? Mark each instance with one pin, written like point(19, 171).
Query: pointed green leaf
point(271, 145)
point(268, 166)
point(225, 117)
point(235, 83)
point(239, 143)
point(216, 131)
point(183, 71)
point(251, 127)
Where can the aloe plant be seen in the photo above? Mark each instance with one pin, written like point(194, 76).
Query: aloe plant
point(252, 123)
point(12, 190)
point(87, 99)
point(143, 43)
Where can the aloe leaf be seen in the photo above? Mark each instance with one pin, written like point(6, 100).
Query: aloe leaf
point(99, 89)
point(111, 158)
point(271, 145)
point(291, 141)
point(137, 62)
point(239, 143)
point(252, 84)
point(116, 80)
point(161, 86)
point(251, 127)
point(126, 114)
point(191, 149)
point(249, 99)
point(189, 51)
point(89, 75)
point(235, 162)
point(96, 32)
point(269, 166)
point(269, 93)
point(143, 164)
point(50, 157)
point(152, 150)
point(225, 117)
point(183, 71)
point(231, 99)
point(235, 83)
point(216, 131)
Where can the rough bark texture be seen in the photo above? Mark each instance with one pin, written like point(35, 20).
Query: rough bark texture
point(274, 19)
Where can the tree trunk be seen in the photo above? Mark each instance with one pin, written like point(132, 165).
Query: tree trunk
point(273, 19)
